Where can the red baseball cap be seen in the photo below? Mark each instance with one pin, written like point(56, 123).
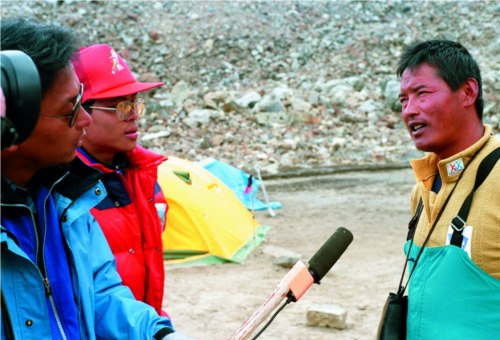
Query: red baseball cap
point(104, 74)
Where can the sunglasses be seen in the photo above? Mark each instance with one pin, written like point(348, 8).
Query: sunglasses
point(124, 109)
point(74, 112)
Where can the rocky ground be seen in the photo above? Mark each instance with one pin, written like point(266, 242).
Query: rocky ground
point(284, 85)
point(212, 302)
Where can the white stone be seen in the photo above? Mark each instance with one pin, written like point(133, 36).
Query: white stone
point(327, 316)
point(248, 99)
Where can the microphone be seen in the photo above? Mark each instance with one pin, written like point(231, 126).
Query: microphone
point(329, 253)
point(298, 280)
point(320, 263)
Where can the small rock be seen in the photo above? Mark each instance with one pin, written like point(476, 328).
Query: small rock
point(212, 99)
point(248, 100)
point(202, 115)
point(155, 135)
point(391, 95)
point(300, 105)
point(327, 316)
point(180, 92)
point(189, 105)
point(285, 261)
point(270, 103)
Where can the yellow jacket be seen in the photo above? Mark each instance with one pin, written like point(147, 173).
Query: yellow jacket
point(484, 215)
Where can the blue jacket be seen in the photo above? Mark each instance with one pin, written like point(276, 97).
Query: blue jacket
point(104, 307)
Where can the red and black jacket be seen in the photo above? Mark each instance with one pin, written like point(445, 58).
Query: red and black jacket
point(133, 217)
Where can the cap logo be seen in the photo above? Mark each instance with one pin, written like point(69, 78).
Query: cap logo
point(455, 167)
point(116, 66)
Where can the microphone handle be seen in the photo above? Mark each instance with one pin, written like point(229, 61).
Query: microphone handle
point(261, 314)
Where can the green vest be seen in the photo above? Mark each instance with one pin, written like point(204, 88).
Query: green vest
point(449, 297)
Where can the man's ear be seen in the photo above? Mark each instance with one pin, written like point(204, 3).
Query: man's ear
point(470, 90)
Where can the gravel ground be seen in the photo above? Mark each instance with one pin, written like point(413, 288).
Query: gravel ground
point(283, 85)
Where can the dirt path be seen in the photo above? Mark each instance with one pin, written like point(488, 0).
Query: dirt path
point(211, 302)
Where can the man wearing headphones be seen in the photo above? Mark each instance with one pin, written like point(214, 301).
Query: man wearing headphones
point(58, 275)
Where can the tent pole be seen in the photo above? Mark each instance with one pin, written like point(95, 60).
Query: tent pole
point(269, 209)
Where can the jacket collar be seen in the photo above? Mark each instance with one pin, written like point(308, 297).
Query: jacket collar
point(138, 158)
point(142, 158)
point(11, 193)
point(74, 179)
point(426, 168)
point(119, 161)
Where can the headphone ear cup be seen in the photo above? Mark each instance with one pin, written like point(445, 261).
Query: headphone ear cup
point(23, 94)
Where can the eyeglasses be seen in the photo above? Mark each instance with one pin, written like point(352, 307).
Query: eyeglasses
point(74, 112)
point(124, 109)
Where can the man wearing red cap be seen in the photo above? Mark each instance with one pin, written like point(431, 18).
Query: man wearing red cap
point(133, 214)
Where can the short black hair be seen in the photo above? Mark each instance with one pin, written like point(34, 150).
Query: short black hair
point(453, 62)
point(50, 46)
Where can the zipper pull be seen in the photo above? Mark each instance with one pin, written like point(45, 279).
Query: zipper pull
point(46, 283)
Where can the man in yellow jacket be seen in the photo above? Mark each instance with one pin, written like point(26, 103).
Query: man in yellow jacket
point(454, 290)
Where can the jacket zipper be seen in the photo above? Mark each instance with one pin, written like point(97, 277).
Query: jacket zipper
point(43, 275)
point(45, 279)
point(46, 282)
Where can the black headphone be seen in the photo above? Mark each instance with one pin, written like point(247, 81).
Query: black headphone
point(23, 93)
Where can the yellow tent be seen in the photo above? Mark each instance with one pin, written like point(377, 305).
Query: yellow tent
point(205, 220)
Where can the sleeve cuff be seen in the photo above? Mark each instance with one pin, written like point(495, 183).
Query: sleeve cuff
point(162, 333)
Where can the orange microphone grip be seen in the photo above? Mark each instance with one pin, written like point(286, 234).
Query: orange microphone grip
point(301, 281)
